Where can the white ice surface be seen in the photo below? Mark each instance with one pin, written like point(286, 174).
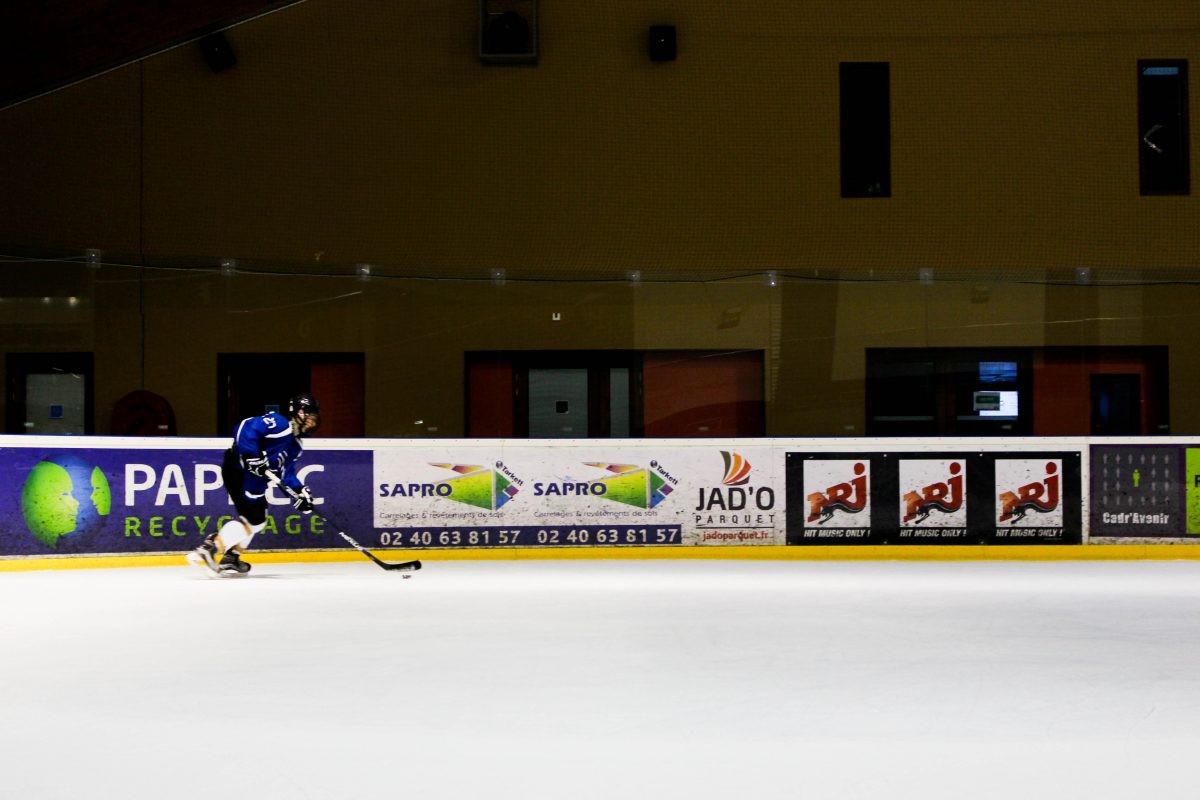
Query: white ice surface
point(611, 679)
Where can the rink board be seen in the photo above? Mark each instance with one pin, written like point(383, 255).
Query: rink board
point(139, 499)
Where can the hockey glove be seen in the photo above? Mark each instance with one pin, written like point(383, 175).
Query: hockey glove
point(256, 466)
point(303, 502)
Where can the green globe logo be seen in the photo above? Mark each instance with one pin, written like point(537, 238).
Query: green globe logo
point(64, 496)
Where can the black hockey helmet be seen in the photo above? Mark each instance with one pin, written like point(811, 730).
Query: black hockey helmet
point(303, 402)
point(306, 424)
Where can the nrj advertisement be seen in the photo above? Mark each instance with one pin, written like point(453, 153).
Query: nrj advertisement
point(934, 497)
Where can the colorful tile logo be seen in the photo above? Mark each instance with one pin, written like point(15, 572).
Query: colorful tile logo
point(632, 485)
point(478, 486)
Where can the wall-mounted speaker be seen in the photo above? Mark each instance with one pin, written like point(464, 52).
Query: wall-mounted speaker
point(217, 51)
point(662, 42)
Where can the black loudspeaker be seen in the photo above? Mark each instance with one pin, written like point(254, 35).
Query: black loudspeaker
point(218, 53)
point(662, 42)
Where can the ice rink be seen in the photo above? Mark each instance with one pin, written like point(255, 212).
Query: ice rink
point(603, 679)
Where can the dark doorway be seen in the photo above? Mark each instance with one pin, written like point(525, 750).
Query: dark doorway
point(554, 394)
point(866, 129)
point(1116, 405)
point(255, 383)
point(1163, 127)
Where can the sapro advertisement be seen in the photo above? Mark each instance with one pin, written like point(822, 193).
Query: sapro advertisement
point(62, 501)
point(577, 495)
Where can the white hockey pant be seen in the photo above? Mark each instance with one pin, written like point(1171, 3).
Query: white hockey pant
point(237, 533)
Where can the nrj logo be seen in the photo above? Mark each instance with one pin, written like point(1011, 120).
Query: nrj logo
point(633, 485)
point(830, 489)
point(933, 486)
point(476, 485)
point(65, 498)
point(1038, 487)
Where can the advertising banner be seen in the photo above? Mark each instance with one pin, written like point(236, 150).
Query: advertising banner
point(577, 494)
point(105, 500)
point(124, 496)
point(934, 497)
point(62, 501)
point(1192, 484)
point(1138, 491)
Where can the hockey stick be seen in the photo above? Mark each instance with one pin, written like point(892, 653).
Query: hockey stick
point(403, 566)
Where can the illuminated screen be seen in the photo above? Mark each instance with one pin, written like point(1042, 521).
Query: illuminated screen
point(1008, 406)
point(997, 371)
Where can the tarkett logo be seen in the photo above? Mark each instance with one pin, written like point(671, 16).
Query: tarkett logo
point(633, 485)
point(63, 498)
point(477, 485)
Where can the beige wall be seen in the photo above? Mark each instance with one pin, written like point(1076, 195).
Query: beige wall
point(368, 132)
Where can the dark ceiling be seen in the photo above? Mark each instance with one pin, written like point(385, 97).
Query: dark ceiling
point(48, 44)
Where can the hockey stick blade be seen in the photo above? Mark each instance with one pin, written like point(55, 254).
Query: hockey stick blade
point(403, 566)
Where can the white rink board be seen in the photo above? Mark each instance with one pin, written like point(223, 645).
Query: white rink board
point(695, 492)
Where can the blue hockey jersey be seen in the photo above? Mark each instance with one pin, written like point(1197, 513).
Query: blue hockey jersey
point(270, 435)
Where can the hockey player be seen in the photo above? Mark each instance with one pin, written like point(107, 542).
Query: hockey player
point(270, 443)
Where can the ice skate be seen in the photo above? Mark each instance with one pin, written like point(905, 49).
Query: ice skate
point(231, 565)
point(204, 555)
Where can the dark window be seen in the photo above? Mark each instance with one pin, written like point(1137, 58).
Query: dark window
point(1163, 127)
point(1116, 401)
point(949, 392)
point(1020, 391)
point(903, 394)
point(866, 129)
point(49, 393)
point(508, 31)
point(615, 394)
